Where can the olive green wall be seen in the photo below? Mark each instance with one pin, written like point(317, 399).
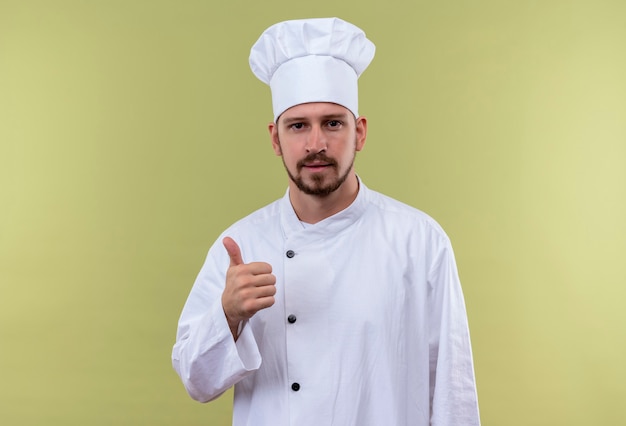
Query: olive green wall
point(132, 133)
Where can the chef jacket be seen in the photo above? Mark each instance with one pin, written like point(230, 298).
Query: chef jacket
point(368, 327)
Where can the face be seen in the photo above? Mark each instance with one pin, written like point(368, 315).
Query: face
point(318, 142)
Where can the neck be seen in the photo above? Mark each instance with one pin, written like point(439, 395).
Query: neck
point(313, 208)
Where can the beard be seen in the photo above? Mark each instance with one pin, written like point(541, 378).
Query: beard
point(320, 184)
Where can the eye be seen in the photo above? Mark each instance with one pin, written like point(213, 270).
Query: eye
point(334, 124)
point(297, 126)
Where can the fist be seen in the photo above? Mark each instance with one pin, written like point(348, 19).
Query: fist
point(249, 287)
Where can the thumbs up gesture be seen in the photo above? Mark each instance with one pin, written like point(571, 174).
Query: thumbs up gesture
point(249, 288)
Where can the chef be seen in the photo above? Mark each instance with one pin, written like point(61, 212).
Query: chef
point(334, 305)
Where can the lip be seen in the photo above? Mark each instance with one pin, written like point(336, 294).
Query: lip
point(316, 167)
point(316, 164)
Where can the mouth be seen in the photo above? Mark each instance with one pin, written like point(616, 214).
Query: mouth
point(316, 162)
point(316, 166)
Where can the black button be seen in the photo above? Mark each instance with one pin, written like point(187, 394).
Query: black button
point(295, 387)
point(290, 253)
point(291, 318)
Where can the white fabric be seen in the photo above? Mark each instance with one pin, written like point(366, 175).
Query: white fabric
point(381, 336)
point(312, 60)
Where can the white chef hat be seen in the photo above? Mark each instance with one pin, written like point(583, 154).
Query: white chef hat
point(312, 60)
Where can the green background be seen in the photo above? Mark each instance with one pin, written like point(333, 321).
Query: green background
point(133, 132)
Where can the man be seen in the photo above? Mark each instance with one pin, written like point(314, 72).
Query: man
point(334, 305)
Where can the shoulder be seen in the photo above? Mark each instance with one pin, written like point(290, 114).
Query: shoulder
point(409, 230)
point(402, 215)
point(259, 220)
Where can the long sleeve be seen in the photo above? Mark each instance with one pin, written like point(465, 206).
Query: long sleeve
point(452, 384)
point(205, 355)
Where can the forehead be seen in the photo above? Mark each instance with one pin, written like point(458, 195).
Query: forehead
point(315, 110)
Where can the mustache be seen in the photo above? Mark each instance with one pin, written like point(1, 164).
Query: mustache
point(317, 156)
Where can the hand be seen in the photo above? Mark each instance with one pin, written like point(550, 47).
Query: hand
point(249, 288)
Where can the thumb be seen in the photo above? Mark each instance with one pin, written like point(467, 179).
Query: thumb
point(233, 251)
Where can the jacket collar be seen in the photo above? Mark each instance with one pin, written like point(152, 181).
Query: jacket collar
point(292, 227)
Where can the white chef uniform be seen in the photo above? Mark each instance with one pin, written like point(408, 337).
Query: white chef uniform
point(368, 328)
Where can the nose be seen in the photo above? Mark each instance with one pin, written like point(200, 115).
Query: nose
point(316, 140)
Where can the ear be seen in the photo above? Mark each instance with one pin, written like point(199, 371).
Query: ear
point(273, 129)
point(361, 132)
